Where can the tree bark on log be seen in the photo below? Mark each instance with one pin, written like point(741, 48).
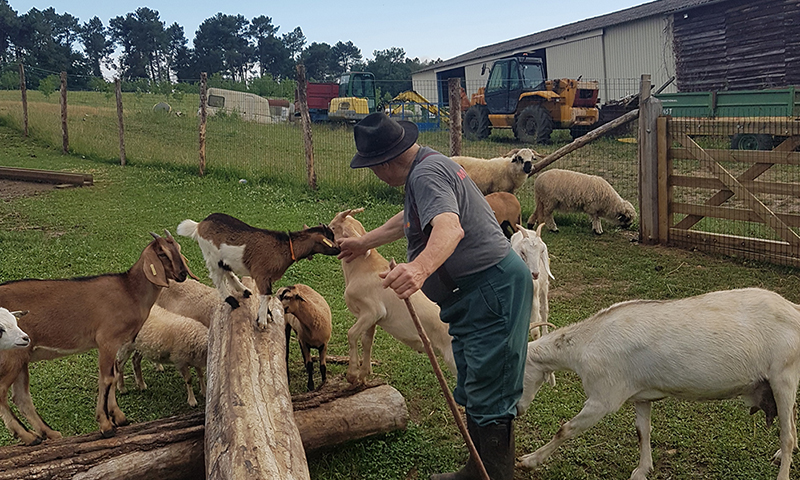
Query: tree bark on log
point(173, 448)
point(250, 429)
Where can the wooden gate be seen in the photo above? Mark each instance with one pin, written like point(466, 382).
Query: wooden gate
point(735, 202)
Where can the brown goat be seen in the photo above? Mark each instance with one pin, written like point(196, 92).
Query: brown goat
point(507, 211)
point(75, 315)
point(232, 247)
point(308, 314)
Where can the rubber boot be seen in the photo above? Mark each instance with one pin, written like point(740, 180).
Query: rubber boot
point(470, 470)
point(497, 449)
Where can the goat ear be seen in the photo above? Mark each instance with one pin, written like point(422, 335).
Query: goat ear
point(189, 270)
point(19, 313)
point(355, 210)
point(152, 267)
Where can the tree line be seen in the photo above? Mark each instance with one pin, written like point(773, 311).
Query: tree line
point(235, 52)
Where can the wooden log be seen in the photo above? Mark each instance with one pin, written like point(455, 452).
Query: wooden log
point(24, 90)
point(173, 448)
point(45, 176)
point(454, 89)
point(250, 430)
point(118, 94)
point(203, 120)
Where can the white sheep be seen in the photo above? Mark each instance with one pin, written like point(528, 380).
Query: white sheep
point(500, 174)
point(721, 345)
point(507, 211)
point(374, 305)
point(191, 299)
point(308, 314)
point(232, 247)
point(167, 337)
point(11, 336)
point(568, 191)
point(531, 248)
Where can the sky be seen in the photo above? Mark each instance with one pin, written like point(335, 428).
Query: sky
point(427, 30)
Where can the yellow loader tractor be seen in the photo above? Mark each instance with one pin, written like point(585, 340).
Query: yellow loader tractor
point(518, 97)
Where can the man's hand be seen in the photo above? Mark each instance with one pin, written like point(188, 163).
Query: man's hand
point(351, 248)
point(404, 279)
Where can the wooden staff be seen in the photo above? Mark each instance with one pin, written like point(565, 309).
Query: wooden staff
point(445, 389)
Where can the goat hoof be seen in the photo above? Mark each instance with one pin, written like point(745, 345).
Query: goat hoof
point(36, 441)
point(247, 293)
point(232, 302)
point(108, 433)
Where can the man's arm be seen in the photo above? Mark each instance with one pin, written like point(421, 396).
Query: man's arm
point(354, 247)
point(407, 278)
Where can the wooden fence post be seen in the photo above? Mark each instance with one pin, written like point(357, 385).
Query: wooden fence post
point(305, 121)
point(664, 171)
point(24, 89)
point(649, 111)
point(118, 92)
point(203, 119)
point(454, 89)
point(64, 132)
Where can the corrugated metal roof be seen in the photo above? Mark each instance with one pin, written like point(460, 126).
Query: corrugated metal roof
point(659, 7)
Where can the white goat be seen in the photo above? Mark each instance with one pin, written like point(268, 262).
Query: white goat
point(75, 315)
point(500, 174)
point(167, 337)
point(721, 345)
point(531, 248)
point(568, 191)
point(11, 336)
point(232, 247)
point(308, 314)
point(374, 305)
point(507, 211)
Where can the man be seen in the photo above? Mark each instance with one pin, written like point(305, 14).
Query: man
point(459, 257)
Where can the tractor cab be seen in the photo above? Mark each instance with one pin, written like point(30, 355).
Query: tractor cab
point(509, 79)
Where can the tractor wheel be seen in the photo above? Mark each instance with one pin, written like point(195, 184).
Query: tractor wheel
point(534, 125)
point(476, 123)
point(750, 141)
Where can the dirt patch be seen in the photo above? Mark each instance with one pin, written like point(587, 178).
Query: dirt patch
point(11, 189)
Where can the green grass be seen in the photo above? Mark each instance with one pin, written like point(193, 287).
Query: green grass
point(103, 228)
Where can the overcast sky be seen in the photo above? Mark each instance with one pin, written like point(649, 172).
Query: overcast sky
point(424, 29)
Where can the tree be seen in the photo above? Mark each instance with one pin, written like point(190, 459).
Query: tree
point(9, 31)
point(143, 39)
point(392, 70)
point(275, 58)
point(262, 32)
point(175, 47)
point(96, 46)
point(294, 42)
point(317, 60)
point(221, 45)
point(345, 57)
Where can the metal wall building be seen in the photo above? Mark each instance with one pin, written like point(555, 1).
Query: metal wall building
point(700, 42)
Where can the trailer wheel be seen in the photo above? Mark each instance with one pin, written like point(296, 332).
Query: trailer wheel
point(476, 123)
point(751, 141)
point(533, 125)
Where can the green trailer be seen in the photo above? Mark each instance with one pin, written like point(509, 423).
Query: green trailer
point(778, 103)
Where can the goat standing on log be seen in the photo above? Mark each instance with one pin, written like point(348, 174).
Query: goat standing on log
point(75, 315)
point(232, 247)
point(721, 345)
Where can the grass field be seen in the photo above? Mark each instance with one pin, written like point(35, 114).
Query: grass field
point(103, 228)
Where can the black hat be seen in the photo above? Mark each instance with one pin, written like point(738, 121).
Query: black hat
point(380, 139)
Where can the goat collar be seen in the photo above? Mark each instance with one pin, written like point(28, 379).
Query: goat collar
point(291, 247)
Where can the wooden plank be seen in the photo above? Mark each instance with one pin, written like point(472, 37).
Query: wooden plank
point(729, 213)
point(750, 248)
point(771, 188)
point(650, 109)
point(45, 176)
point(776, 157)
point(782, 126)
point(732, 184)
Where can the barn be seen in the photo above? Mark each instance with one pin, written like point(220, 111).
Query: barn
point(704, 44)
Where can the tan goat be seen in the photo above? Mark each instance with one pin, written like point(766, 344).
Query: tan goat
point(75, 315)
point(374, 305)
point(507, 211)
point(308, 314)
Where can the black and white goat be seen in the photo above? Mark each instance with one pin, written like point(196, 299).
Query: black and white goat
point(232, 247)
point(721, 345)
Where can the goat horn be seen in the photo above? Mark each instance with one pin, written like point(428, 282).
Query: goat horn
point(169, 235)
point(155, 235)
point(19, 313)
point(542, 324)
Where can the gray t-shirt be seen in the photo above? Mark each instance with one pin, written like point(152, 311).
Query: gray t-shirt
point(436, 184)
